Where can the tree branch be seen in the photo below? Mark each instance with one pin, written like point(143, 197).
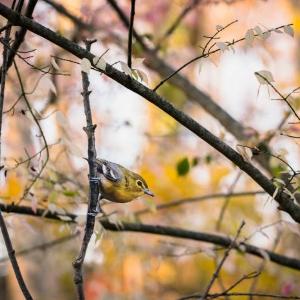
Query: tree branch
point(177, 22)
point(221, 263)
point(43, 246)
point(285, 202)
point(20, 35)
point(94, 185)
point(215, 239)
point(130, 33)
point(8, 244)
point(190, 200)
point(194, 94)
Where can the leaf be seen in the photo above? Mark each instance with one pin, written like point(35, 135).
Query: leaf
point(125, 68)
point(231, 47)
point(99, 62)
point(258, 30)
point(264, 254)
point(54, 63)
point(200, 64)
point(195, 161)
point(138, 62)
point(70, 193)
point(143, 76)
point(52, 207)
point(278, 180)
point(266, 35)
point(264, 77)
point(65, 218)
point(219, 27)
point(245, 152)
point(85, 65)
point(183, 167)
point(222, 46)
point(287, 191)
point(80, 220)
point(249, 37)
point(288, 29)
point(275, 193)
point(52, 87)
point(98, 228)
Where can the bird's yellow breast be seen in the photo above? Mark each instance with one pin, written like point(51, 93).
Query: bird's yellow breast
point(116, 191)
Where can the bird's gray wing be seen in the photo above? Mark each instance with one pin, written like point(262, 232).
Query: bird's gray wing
point(110, 170)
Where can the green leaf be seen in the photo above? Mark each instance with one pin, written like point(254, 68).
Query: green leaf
point(70, 193)
point(208, 159)
point(183, 167)
point(195, 161)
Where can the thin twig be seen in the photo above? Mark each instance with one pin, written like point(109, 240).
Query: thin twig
point(43, 246)
point(282, 97)
point(226, 201)
point(28, 188)
point(12, 257)
point(94, 185)
point(8, 244)
point(184, 201)
point(219, 267)
point(220, 220)
point(132, 13)
point(207, 54)
point(20, 35)
point(177, 22)
point(263, 263)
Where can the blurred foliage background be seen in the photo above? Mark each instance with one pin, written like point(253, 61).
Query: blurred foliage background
point(132, 132)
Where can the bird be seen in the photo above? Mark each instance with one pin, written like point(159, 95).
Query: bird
point(120, 184)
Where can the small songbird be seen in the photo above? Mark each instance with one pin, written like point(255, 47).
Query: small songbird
point(120, 184)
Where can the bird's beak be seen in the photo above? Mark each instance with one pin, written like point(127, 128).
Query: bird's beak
point(148, 192)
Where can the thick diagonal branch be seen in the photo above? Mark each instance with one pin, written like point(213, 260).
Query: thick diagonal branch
point(285, 202)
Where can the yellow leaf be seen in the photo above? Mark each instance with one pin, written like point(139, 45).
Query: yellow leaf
point(13, 188)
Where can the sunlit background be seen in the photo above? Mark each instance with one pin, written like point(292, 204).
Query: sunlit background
point(134, 133)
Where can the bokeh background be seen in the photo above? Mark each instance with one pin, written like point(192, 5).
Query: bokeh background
point(134, 133)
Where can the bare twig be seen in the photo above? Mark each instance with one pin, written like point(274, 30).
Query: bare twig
point(209, 53)
point(94, 183)
point(184, 201)
point(12, 257)
point(20, 35)
point(62, 10)
point(220, 220)
point(189, 8)
point(263, 264)
point(282, 97)
point(129, 59)
point(221, 263)
point(43, 246)
point(28, 188)
point(226, 201)
point(8, 244)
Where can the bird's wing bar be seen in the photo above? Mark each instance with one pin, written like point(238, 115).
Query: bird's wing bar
point(109, 170)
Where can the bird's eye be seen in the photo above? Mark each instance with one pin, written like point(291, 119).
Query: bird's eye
point(139, 183)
